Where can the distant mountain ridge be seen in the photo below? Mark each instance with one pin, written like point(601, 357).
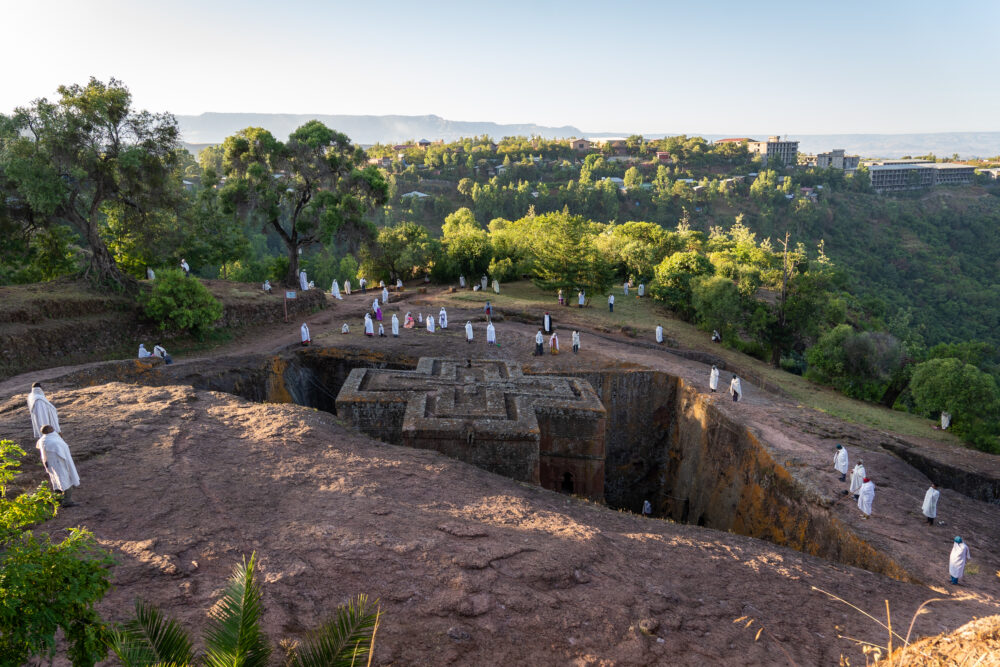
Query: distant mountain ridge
point(212, 128)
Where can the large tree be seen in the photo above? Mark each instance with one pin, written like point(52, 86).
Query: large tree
point(75, 160)
point(311, 189)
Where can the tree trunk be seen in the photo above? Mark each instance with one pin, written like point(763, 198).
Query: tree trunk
point(103, 269)
point(292, 277)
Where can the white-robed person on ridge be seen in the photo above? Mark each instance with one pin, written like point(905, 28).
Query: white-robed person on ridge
point(642, 289)
point(303, 280)
point(443, 318)
point(42, 411)
point(866, 495)
point(929, 508)
point(482, 282)
point(143, 352)
point(840, 462)
point(496, 285)
point(58, 463)
point(491, 334)
point(385, 295)
point(395, 326)
point(945, 420)
point(304, 331)
point(857, 478)
point(461, 282)
point(736, 388)
point(468, 332)
point(369, 325)
point(576, 341)
point(959, 558)
point(335, 290)
point(659, 334)
point(430, 323)
point(150, 274)
point(713, 379)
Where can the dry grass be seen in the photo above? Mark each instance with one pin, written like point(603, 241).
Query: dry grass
point(644, 314)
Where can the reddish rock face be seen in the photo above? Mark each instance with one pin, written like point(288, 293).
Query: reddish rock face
point(544, 430)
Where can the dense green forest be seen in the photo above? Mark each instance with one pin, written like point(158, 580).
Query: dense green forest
point(883, 297)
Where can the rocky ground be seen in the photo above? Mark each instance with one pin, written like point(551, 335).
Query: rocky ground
point(472, 568)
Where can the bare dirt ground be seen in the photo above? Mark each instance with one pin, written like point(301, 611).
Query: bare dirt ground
point(473, 568)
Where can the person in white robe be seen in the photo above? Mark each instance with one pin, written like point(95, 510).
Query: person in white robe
point(345, 329)
point(461, 282)
point(150, 275)
point(303, 280)
point(866, 495)
point(576, 342)
point(369, 325)
point(468, 332)
point(857, 478)
point(375, 305)
point(625, 287)
point(381, 284)
point(945, 420)
point(547, 323)
point(659, 334)
point(161, 352)
point(580, 298)
point(491, 334)
point(647, 508)
point(304, 331)
point(185, 268)
point(736, 388)
point(959, 558)
point(381, 330)
point(430, 323)
point(554, 343)
point(42, 411)
point(395, 326)
point(482, 282)
point(475, 288)
point(611, 303)
point(335, 290)
point(143, 352)
point(266, 286)
point(443, 318)
point(642, 289)
point(58, 462)
point(713, 379)
point(408, 322)
point(929, 507)
point(840, 462)
point(496, 285)
point(399, 285)
point(312, 284)
point(385, 295)
point(363, 282)
point(539, 343)
point(347, 287)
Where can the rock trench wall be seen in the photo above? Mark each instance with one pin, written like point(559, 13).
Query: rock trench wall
point(667, 444)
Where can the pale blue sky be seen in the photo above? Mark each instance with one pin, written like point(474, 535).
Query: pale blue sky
point(658, 66)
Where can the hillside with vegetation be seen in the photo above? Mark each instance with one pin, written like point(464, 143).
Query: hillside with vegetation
point(889, 299)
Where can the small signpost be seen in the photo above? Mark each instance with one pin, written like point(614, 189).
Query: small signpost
point(289, 294)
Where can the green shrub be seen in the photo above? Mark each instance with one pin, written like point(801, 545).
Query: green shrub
point(503, 270)
point(178, 303)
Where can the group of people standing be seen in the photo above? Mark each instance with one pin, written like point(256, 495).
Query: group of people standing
point(863, 489)
point(549, 328)
point(56, 457)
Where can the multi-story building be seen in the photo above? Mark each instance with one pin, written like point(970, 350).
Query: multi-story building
point(896, 175)
point(834, 159)
point(785, 151)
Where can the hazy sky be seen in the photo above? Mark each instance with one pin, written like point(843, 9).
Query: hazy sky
point(740, 67)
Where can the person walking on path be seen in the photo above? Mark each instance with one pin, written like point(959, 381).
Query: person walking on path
point(840, 462)
point(736, 388)
point(929, 507)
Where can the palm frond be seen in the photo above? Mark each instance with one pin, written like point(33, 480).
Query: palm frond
point(346, 639)
point(233, 637)
point(151, 639)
